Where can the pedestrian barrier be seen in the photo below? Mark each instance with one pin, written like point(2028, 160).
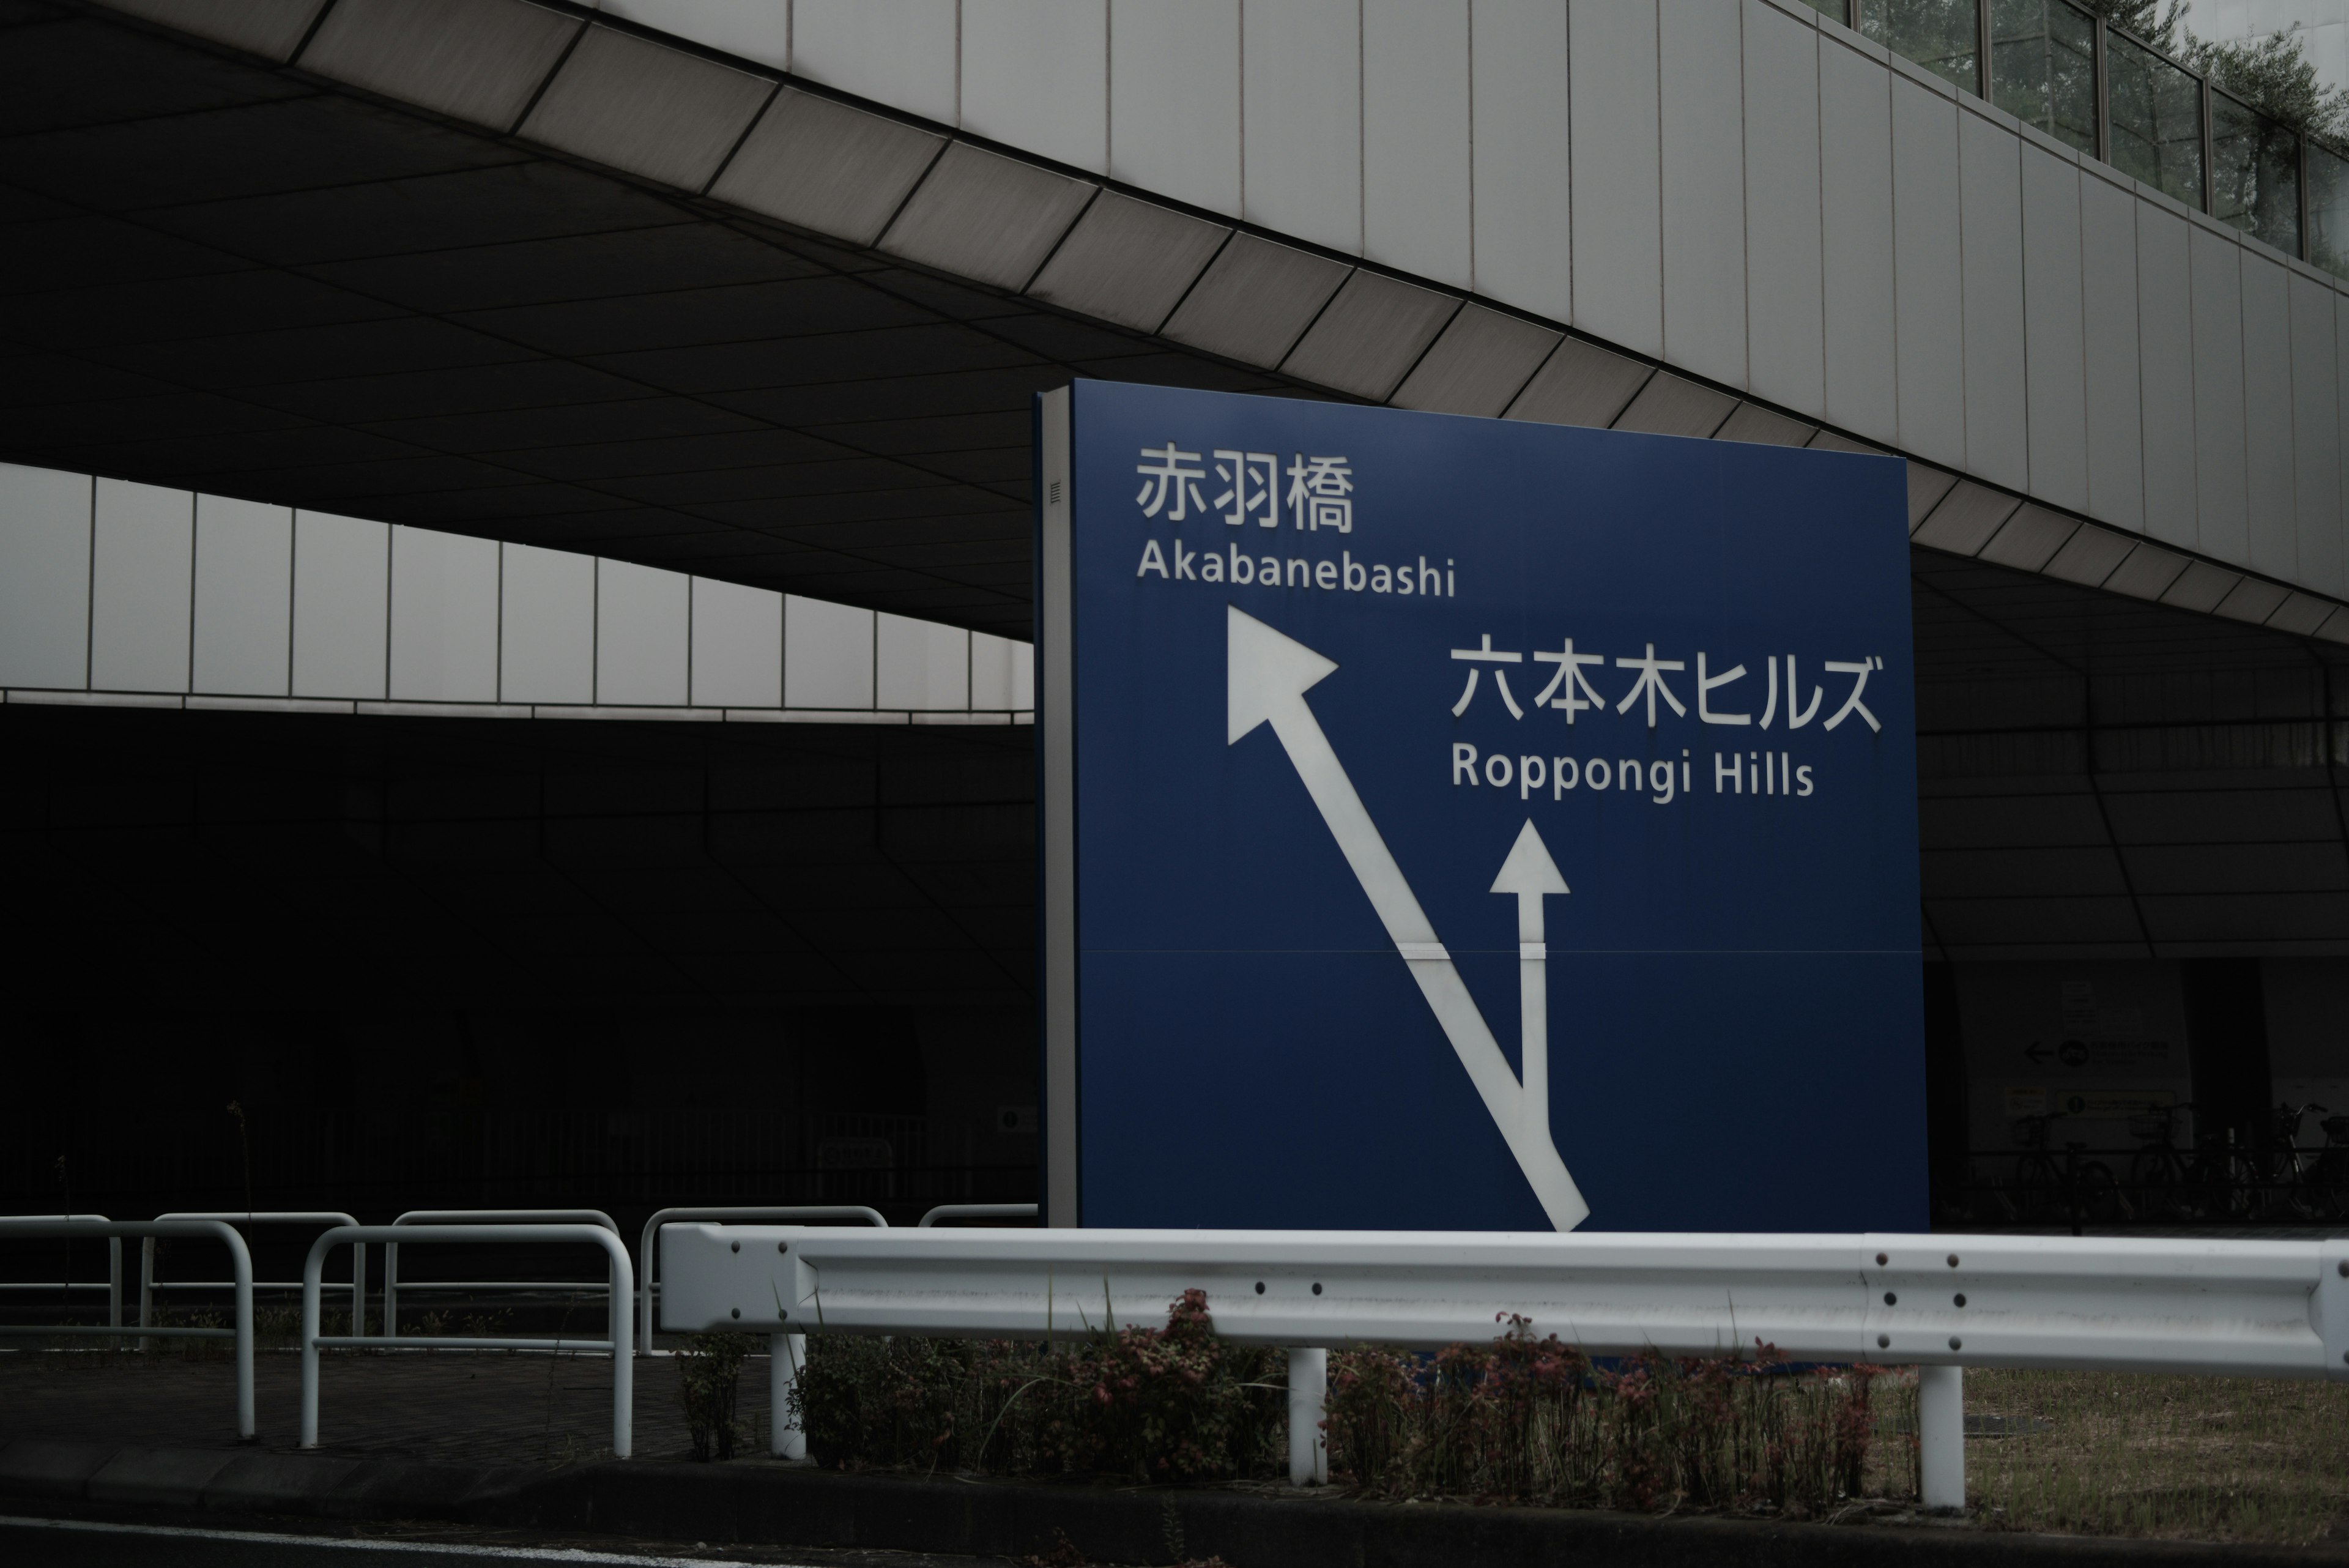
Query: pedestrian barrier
point(977, 1211)
point(241, 1282)
point(149, 1285)
point(112, 1287)
point(620, 1288)
point(2264, 1309)
point(415, 1217)
point(785, 1352)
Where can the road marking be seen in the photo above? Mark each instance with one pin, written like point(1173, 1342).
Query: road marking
point(444, 1548)
point(1267, 675)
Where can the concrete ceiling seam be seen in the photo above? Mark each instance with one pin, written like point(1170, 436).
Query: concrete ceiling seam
point(680, 117)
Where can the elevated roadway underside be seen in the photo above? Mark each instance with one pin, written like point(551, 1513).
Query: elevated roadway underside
point(256, 282)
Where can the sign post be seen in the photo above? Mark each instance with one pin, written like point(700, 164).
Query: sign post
point(1352, 717)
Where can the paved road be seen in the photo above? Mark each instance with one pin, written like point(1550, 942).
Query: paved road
point(30, 1543)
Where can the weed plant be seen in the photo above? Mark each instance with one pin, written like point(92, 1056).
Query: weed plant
point(1173, 1403)
point(708, 1377)
point(1531, 1420)
point(1517, 1420)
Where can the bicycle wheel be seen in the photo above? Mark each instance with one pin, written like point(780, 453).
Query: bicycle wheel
point(2153, 1186)
point(2038, 1190)
point(2102, 1202)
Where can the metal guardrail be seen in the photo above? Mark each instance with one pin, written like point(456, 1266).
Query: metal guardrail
point(2260, 1308)
point(786, 1353)
point(976, 1211)
point(240, 1267)
point(620, 1287)
point(416, 1216)
point(149, 1285)
point(649, 1244)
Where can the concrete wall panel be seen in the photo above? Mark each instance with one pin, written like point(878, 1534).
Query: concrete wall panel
point(1417, 179)
point(1174, 99)
point(738, 645)
point(2165, 315)
point(642, 635)
point(243, 598)
point(1519, 102)
point(444, 616)
point(2316, 439)
point(1786, 326)
point(1932, 290)
point(546, 625)
point(2215, 269)
point(2108, 317)
point(342, 605)
point(1989, 180)
point(1856, 218)
point(827, 655)
point(2267, 416)
point(44, 577)
point(1301, 84)
point(898, 52)
point(2052, 328)
point(920, 666)
point(1700, 73)
point(1035, 74)
point(1618, 205)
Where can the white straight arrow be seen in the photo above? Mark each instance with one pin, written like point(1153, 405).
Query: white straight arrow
point(1266, 677)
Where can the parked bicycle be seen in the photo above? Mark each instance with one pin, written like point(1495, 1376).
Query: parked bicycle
point(2068, 1188)
point(2162, 1185)
point(2291, 1193)
point(2328, 1175)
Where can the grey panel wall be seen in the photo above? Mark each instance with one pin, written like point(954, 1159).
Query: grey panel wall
point(242, 641)
point(406, 620)
point(1618, 201)
point(2108, 317)
point(342, 607)
point(1417, 187)
point(2268, 433)
point(1857, 229)
point(444, 617)
point(1785, 300)
point(44, 577)
point(1699, 65)
point(2165, 314)
point(2053, 328)
point(2223, 527)
point(1990, 179)
point(1520, 185)
point(2317, 436)
point(1928, 272)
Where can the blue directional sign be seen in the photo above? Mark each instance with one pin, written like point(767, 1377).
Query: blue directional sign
point(1466, 824)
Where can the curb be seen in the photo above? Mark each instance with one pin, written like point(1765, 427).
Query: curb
point(779, 1506)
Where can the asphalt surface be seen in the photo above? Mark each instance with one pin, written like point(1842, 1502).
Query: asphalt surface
point(51, 1542)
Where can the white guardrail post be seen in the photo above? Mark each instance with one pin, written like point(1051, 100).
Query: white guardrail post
point(1309, 1395)
point(2227, 1308)
point(415, 1217)
point(1942, 1438)
point(240, 1282)
point(620, 1291)
point(977, 1211)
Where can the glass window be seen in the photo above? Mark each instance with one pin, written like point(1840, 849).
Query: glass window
point(2254, 174)
point(2157, 119)
point(1839, 9)
point(1938, 35)
point(2043, 67)
point(2328, 210)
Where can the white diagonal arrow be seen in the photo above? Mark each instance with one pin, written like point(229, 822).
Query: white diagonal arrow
point(1266, 677)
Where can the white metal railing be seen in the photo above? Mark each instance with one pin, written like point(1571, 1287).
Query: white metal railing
point(113, 1285)
point(149, 1285)
point(785, 1352)
point(620, 1289)
point(2254, 1308)
point(241, 1282)
point(416, 1216)
point(976, 1211)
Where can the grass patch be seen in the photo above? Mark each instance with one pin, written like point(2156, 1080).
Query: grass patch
point(2206, 1459)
